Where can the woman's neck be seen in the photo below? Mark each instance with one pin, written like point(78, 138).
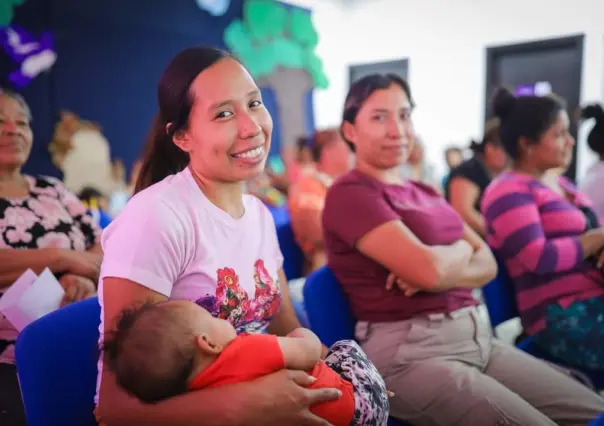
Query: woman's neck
point(530, 170)
point(388, 176)
point(224, 195)
point(10, 175)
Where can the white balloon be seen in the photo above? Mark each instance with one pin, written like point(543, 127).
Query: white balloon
point(214, 7)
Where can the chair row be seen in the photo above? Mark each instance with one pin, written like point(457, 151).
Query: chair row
point(57, 354)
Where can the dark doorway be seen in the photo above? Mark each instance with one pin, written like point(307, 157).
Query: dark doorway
point(535, 68)
point(399, 67)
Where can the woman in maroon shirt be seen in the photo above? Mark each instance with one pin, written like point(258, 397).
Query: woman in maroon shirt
point(425, 334)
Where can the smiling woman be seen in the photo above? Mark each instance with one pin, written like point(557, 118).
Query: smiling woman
point(42, 225)
point(408, 263)
point(191, 233)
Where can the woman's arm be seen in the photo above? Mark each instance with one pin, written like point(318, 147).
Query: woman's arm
point(13, 262)
point(516, 230)
point(482, 267)
point(463, 195)
point(274, 400)
point(428, 268)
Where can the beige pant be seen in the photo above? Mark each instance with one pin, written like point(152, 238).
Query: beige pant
point(447, 369)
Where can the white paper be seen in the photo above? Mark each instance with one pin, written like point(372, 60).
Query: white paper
point(31, 297)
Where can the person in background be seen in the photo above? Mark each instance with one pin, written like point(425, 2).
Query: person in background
point(191, 233)
point(547, 233)
point(97, 205)
point(468, 181)
point(593, 182)
point(418, 167)
point(453, 158)
point(408, 263)
point(42, 225)
point(332, 158)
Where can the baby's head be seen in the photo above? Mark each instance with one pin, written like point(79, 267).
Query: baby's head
point(156, 349)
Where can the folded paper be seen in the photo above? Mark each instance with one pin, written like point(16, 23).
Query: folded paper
point(31, 297)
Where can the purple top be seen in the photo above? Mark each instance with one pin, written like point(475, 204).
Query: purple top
point(535, 232)
point(357, 204)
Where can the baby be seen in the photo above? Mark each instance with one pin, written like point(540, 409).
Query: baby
point(165, 349)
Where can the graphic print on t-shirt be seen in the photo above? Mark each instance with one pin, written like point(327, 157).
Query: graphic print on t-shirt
point(231, 302)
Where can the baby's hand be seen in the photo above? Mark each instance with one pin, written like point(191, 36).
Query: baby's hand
point(389, 394)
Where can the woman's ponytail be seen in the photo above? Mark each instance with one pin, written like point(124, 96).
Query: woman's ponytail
point(161, 157)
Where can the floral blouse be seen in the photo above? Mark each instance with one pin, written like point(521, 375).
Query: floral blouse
point(48, 217)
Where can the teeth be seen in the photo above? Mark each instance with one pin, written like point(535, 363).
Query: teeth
point(251, 154)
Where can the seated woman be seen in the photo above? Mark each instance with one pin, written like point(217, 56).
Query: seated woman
point(42, 225)
point(594, 179)
point(468, 181)
point(306, 197)
point(190, 233)
point(547, 233)
point(425, 335)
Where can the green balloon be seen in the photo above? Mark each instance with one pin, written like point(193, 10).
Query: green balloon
point(302, 29)
point(6, 14)
point(264, 19)
point(237, 38)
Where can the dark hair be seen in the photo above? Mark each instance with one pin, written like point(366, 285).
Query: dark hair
point(152, 351)
point(524, 117)
point(490, 137)
point(595, 139)
point(88, 193)
point(363, 89)
point(17, 98)
point(320, 140)
point(161, 157)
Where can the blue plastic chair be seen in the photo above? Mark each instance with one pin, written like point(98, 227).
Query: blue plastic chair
point(57, 366)
point(597, 422)
point(500, 299)
point(293, 263)
point(329, 312)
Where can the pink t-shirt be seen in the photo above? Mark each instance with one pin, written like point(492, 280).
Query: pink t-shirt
point(357, 204)
point(173, 240)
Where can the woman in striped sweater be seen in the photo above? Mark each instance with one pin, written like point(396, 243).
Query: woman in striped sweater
point(547, 233)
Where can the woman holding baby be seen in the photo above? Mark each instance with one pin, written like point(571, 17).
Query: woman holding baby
point(191, 234)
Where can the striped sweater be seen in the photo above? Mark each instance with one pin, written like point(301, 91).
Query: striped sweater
point(535, 231)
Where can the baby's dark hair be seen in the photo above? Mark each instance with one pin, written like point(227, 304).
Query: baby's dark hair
point(152, 351)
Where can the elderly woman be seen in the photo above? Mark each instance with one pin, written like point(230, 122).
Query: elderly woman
point(42, 225)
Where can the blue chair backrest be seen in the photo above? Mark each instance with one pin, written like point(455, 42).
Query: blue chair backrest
point(329, 312)
point(500, 297)
point(293, 263)
point(57, 363)
point(327, 308)
point(597, 422)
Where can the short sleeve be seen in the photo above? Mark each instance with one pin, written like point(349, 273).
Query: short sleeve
point(84, 221)
point(353, 209)
point(147, 243)
point(469, 170)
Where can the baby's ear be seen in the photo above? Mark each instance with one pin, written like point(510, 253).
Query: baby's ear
point(207, 345)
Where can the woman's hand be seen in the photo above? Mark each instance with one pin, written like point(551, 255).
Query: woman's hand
point(76, 288)
point(600, 260)
point(289, 400)
point(394, 282)
point(82, 263)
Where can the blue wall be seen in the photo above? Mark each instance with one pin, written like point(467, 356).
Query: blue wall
point(110, 56)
